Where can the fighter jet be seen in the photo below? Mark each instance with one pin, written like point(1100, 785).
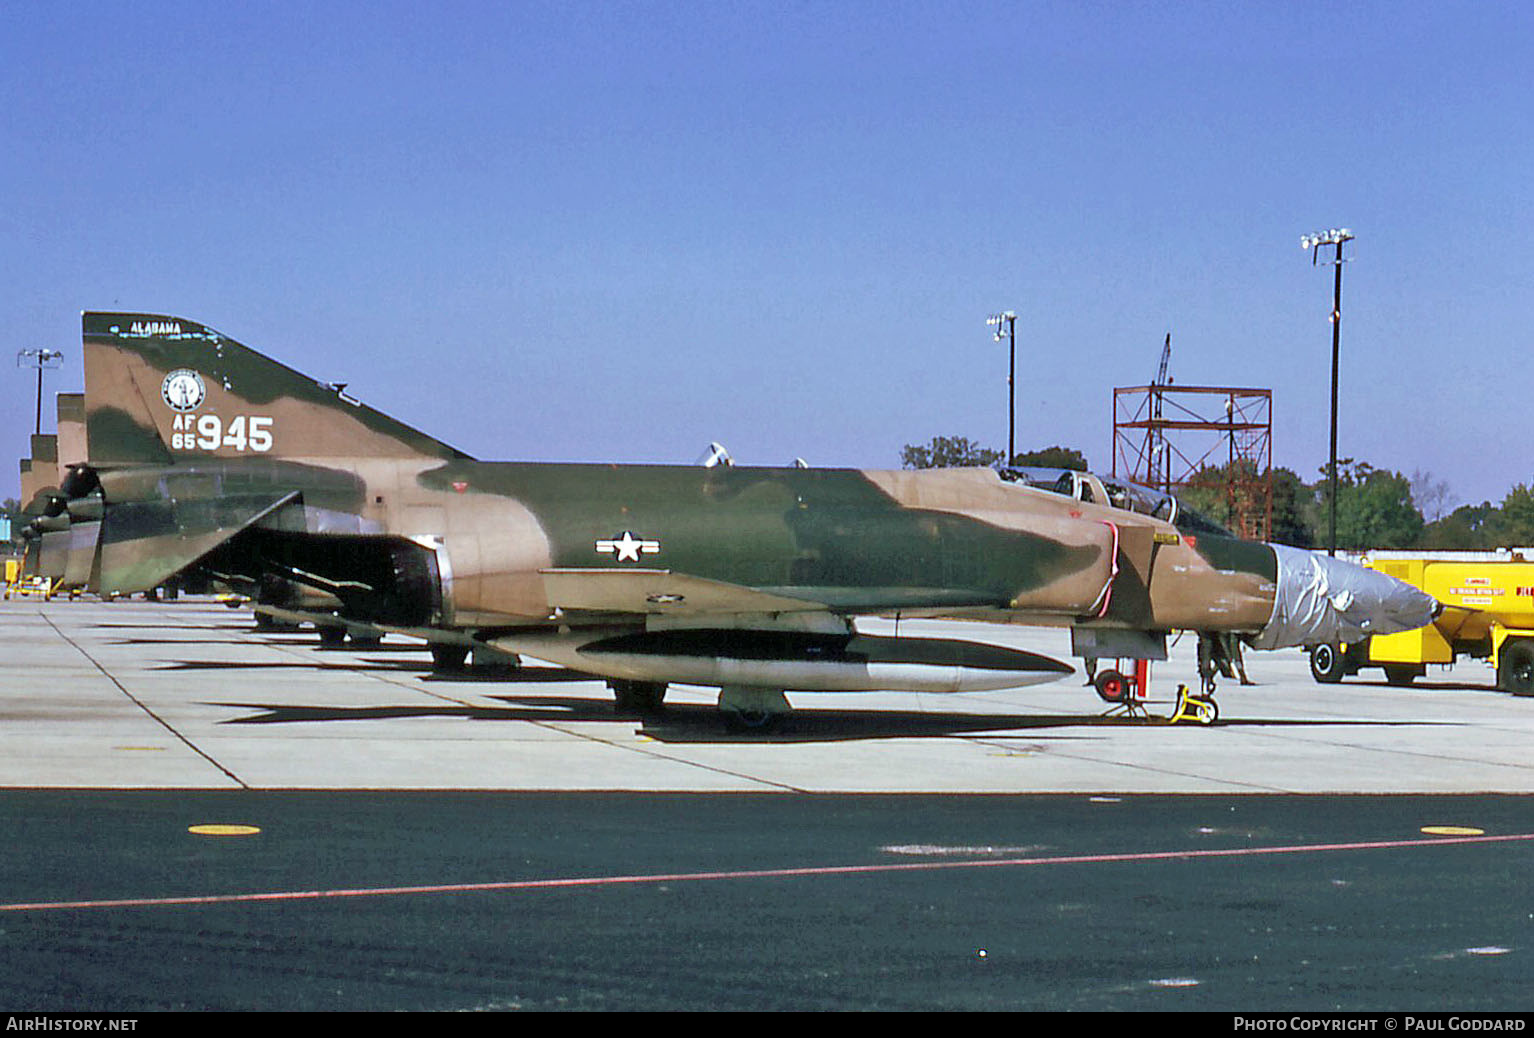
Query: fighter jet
point(208, 459)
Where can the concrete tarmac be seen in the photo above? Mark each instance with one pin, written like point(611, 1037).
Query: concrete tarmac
point(187, 695)
point(387, 838)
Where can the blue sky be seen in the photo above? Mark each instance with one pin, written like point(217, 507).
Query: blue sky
point(618, 231)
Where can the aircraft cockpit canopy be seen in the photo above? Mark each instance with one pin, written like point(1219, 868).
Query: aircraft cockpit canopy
point(1132, 497)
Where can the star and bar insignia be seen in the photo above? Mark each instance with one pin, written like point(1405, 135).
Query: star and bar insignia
point(627, 547)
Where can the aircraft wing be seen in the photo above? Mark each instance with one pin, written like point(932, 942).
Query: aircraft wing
point(145, 543)
point(660, 591)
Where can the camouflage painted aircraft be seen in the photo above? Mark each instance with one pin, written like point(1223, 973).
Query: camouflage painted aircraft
point(209, 459)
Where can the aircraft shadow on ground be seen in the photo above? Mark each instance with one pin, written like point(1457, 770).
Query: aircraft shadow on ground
point(311, 642)
point(493, 674)
point(292, 665)
point(812, 725)
point(698, 723)
point(486, 674)
point(701, 723)
point(225, 628)
point(176, 641)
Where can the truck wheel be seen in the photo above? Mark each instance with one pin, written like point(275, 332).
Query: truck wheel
point(1401, 673)
point(1515, 668)
point(1326, 664)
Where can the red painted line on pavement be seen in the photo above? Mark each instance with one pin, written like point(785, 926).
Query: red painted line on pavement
point(693, 877)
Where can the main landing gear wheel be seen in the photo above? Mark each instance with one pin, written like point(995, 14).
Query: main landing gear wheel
point(449, 659)
point(638, 697)
point(750, 722)
point(752, 710)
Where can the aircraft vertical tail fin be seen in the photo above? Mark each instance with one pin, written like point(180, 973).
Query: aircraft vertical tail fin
point(163, 389)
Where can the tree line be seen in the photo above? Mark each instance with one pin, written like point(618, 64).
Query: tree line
point(1376, 508)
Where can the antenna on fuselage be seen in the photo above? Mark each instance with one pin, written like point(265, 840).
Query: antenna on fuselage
point(716, 455)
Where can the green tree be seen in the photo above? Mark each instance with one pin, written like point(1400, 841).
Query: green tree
point(1374, 508)
point(1291, 525)
point(1513, 524)
point(1431, 494)
point(1468, 527)
point(945, 452)
point(1230, 494)
point(1053, 458)
point(1206, 492)
point(1486, 525)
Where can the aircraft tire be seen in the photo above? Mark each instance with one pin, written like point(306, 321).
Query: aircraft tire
point(750, 722)
point(1327, 664)
point(1111, 686)
point(639, 697)
point(449, 659)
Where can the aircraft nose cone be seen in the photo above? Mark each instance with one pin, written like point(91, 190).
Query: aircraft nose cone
point(1325, 600)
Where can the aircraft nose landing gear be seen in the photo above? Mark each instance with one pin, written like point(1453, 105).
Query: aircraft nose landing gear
point(1127, 691)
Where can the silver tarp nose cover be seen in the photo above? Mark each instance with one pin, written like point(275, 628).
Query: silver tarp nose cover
point(1320, 599)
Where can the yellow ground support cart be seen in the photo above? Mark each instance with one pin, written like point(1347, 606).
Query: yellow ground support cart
point(1488, 600)
point(35, 587)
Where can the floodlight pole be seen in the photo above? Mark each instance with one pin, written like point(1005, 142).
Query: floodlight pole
point(1009, 318)
point(41, 358)
point(1313, 242)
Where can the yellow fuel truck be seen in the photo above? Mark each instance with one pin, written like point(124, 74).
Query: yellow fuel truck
point(1488, 600)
